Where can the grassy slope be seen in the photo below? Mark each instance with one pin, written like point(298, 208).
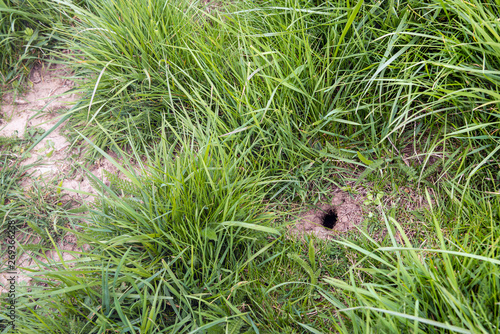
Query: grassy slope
point(256, 107)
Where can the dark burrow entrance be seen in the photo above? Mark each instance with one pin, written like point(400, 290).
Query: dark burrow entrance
point(329, 219)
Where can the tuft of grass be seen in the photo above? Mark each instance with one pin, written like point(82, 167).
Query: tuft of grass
point(309, 83)
point(168, 246)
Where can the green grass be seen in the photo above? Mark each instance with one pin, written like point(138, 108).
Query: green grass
point(26, 35)
point(429, 290)
point(238, 113)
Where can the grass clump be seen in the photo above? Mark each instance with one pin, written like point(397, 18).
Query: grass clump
point(295, 77)
point(226, 68)
point(168, 247)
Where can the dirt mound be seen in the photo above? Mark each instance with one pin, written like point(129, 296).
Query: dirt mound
point(341, 214)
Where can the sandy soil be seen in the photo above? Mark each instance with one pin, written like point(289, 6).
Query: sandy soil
point(41, 108)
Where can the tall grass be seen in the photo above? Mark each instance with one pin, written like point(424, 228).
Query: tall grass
point(294, 75)
point(237, 69)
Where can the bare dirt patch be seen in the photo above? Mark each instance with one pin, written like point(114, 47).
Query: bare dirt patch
point(32, 114)
point(39, 110)
point(67, 248)
point(341, 214)
point(36, 112)
point(347, 210)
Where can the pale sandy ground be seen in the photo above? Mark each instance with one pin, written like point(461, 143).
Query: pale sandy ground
point(42, 107)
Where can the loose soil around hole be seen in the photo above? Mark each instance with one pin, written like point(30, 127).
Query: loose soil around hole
point(346, 208)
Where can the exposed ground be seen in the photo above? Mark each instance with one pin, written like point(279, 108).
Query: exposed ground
point(345, 210)
point(56, 162)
